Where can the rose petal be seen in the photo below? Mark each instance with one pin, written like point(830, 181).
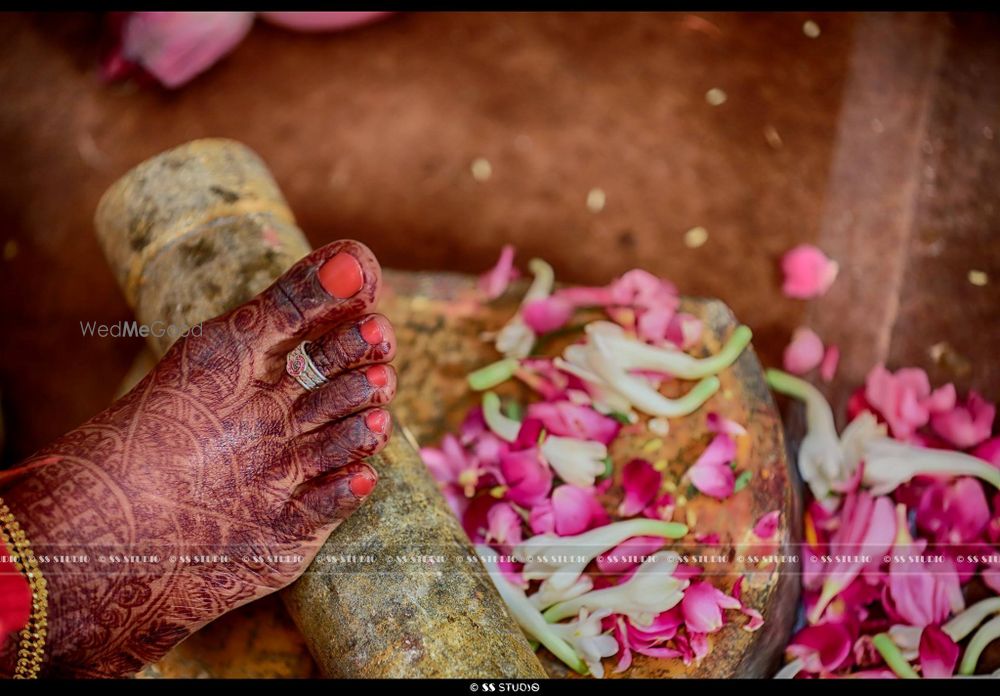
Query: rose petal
point(495, 281)
point(808, 272)
point(767, 525)
point(711, 473)
point(547, 314)
point(641, 483)
point(828, 367)
point(938, 653)
point(322, 21)
point(967, 424)
point(174, 47)
point(804, 353)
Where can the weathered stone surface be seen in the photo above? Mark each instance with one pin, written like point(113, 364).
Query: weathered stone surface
point(198, 230)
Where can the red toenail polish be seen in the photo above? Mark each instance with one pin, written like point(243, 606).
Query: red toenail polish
point(377, 375)
point(341, 276)
point(362, 485)
point(371, 332)
point(377, 421)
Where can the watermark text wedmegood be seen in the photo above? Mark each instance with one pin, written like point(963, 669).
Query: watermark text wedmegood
point(133, 329)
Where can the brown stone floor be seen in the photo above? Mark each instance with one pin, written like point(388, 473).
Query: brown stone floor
point(878, 139)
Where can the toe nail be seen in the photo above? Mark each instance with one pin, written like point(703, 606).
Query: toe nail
point(341, 276)
point(362, 484)
point(377, 376)
point(371, 332)
point(377, 421)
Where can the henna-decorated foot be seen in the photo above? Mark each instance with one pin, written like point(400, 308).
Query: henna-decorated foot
point(217, 452)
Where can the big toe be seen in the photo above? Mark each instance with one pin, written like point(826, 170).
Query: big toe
point(330, 286)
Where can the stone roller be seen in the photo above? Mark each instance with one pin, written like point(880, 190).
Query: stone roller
point(202, 228)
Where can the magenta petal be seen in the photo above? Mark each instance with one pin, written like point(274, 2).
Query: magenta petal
point(700, 605)
point(711, 474)
point(991, 576)
point(176, 46)
point(585, 296)
point(953, 512)
point(823, 648)
point(503, 525)
point(718, 424)
point(938, 653)
point(617, 559)
point(321, 21)
point(567, 419)
point(684, 330)
point(808, 272)
point(652, 324)
point(572, 509)
point(641, 483)
point(804, 353)
point(527, 477)
point(662, 508)
point(966, 425)
point(904, 398)
point(989, 451)
point(828, 366)
point(756, 620)
point(547, 314)
point(542, 518)
point(767, 525)
point(495, 281)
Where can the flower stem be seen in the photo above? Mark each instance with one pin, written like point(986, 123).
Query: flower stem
point(492, 375)
point(502, 426)
point(965, 623)
point(528, 617)
point(980, 639)
point(893, 657)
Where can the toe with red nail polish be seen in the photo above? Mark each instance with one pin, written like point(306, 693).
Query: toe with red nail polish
point(377, 421)
point(371, 332)
point(341, 276)
point(362, 484)
point(377, 376)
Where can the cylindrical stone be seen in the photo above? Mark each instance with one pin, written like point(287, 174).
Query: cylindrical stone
point(202, 228)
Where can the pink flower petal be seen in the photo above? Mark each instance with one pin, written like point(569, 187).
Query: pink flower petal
point(567, 419)
point(938, 653)
point(921, 592)
point(767, 526)
point(822, 648)
point(989, 451)
point(828, 367)
point(546, 314)
point(702, 607)
point(495, 281)
point(503, 526)
point(322, 21)
point(904, 399)
point(527, 477)
point(953, 512)
point(662, 508)
point(808, 272)
point(967, 424)
point(718, 424)
point(711, 473)
point(641, 483)
point(575, 510)
point(617, 560)
point(804, 353)
point(684, 330)
point(174, 47)
point(756, 620)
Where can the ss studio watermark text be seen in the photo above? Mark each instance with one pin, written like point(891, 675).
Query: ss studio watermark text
point(133, 329)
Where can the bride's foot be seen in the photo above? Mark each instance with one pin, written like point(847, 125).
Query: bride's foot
point(218, 452)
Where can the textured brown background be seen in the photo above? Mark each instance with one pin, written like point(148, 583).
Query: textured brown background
point(887, 155)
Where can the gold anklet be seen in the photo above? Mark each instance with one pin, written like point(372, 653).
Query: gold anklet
point(31, 649)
